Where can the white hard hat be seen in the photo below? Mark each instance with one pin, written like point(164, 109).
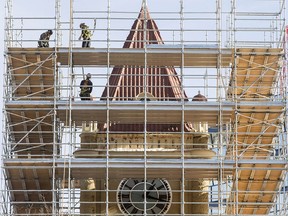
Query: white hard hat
point(88, 75)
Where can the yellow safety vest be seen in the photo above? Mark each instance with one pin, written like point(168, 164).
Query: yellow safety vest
point(86, 33)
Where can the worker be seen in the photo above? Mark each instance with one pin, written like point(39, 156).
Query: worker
point(44, 39)
point(85, 34)
point(86, 87)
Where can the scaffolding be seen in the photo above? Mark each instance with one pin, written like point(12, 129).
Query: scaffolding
point(187, 116)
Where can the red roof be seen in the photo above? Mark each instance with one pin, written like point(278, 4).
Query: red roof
point(127, 82)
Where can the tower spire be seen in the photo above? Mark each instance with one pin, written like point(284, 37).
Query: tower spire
point(144, 4)
point(127, 82)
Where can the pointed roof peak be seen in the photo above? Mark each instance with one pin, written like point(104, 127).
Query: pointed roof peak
point(144, 12)
point(144, 5)
point(126, 83)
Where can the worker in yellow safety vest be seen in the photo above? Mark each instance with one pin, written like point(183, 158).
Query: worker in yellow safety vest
point(85, 34)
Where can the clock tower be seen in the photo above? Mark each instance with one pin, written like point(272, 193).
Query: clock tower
point(150, 192)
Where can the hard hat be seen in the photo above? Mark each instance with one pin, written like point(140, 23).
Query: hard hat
point(50, 32)
point(82, 25)
point(88, 75)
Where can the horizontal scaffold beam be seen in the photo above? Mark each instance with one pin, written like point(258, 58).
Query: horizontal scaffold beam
point(119, 168)
point(139, 111)
point(154, 56)
point(159, 55)
point(188, 56)
point(122, 167)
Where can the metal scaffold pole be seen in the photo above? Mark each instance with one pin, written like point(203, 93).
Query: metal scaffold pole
point(183, 109)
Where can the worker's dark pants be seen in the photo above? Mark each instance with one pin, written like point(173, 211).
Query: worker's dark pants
point(86, 42)
point(85, 96)
point(43, 44)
